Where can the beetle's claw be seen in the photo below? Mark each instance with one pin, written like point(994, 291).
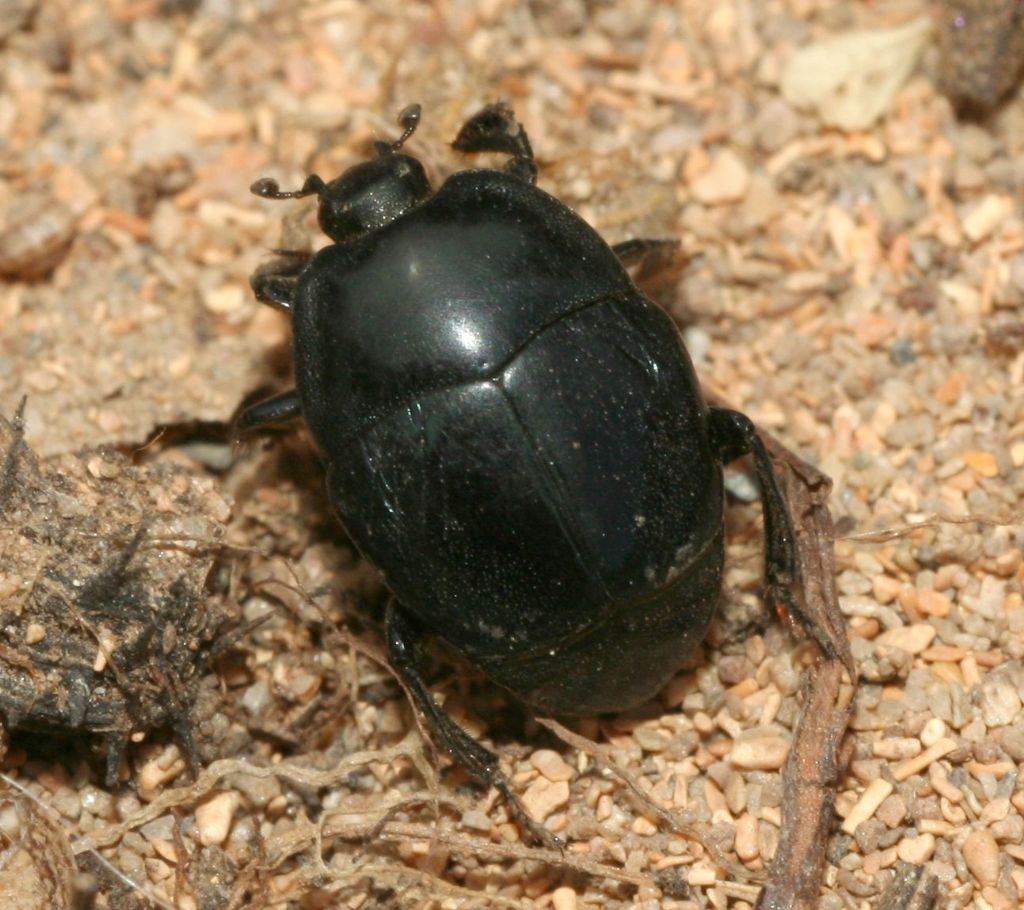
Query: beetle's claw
point(536, 832)
point(779, 596)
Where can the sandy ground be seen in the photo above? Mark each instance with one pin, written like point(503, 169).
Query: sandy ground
point(856, 288)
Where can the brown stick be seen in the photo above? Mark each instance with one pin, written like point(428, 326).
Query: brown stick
point(811, 773)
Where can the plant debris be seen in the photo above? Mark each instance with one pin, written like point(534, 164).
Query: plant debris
point(104, 619)
point(37, 867)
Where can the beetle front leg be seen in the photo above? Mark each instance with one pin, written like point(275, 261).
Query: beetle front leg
point(479, 762)
point(734, 434)
point(274, 282)
point(495, 129)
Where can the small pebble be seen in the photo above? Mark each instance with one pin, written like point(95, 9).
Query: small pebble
point(984, 463)
point(978, 223)
point(892, 811)
point(224, 300)
point(157, 870)
point(651, 740)
point(563, 898)
point(158, 771)
point(551, 765)
point(102, 468)
point(872, 797)
point(36, 237)
point(746, 838)
point(258, 791)
point(476, 820)
point(916, 850)
point(1010, 830)
point(725, 181)
point(932, 754)
point(543, 797)
point(885, 588)
point(166, 849)
point(735, 793)
point(256, 698)
point(1000, 700)
point(67, 802)
point(912, 639)
point(981, 853)
point(997, 900)
point(932, 732)
point(644, 827)
point(702, 876)
point(98, 802)
point(1012, 740)
point(896, 748)
point(933, 603)
point(213, 817)
point(764, 752)
point(161, 828)
point(995, 811)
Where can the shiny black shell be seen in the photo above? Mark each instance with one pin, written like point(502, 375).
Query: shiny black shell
point(516, 438)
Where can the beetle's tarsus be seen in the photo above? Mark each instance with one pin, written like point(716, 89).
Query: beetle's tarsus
point(273, 283)
point(478, 761)
point(495, 129)
point(537, 832)
point(115, 753)
point(270, 412)
point(274, 289)
point(185, 734)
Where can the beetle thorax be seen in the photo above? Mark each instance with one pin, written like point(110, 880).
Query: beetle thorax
point(370, 195)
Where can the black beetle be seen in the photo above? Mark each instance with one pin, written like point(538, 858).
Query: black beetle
point(514, 434)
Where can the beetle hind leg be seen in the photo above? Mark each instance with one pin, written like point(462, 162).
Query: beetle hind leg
point(481, 764)
point(734, 434)
point(495, 129)
point(270, 412)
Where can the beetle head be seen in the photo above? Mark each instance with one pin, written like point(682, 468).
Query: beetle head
point(368, 195)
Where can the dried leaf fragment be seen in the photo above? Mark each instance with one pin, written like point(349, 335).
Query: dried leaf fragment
point(850, 80)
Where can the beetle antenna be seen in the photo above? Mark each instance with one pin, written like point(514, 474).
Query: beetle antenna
point(408, 120)
point(267, 188)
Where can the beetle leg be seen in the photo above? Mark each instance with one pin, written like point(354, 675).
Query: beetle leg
point(734, 434)
point(495, 129)
point(481, 764)
point(115, 753)
point(274, 282)
point(274, 290)
point(182, 727)
point(279, 409)
point(650, 256)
